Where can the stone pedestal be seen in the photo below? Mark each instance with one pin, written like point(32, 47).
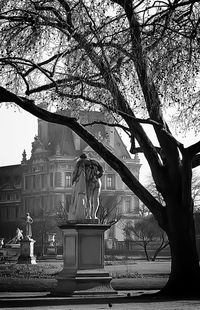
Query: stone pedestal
point(11, 252)
point(83, 253)
point(27, 252)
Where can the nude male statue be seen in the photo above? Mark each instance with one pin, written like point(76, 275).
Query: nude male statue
point(86, 178)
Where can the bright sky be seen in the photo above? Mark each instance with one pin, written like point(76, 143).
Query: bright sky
point(17, 131)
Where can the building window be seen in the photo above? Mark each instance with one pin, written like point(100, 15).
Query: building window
point(68, 179)
point(28, 182)
point(51, 202)
point(110, 181)
point(7, 213)
point(4, 213)
point(127, 206)
point(12, 196)
point(34, 182)
point(51, 179)
point(35, 205)
point(58, 179)
point(37, 181)
point(9, 196)
point(43, 180)
point(2, 217)
point(3, 197)
point(17, 180)
point(16, 212)
point(25, 206)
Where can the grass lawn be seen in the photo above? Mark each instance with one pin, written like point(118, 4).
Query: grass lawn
point(42, 277)
point(26, 271)
point(48, 270)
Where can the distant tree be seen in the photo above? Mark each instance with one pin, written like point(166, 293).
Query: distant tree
point(109, 211)
point(145, 231)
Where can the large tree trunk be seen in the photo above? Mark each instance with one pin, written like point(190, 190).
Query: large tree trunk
point(184, 280)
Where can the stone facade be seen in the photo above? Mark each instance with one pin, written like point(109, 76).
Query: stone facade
point(42, 185)
point(10, 200)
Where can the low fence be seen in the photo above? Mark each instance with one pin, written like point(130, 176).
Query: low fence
point(134, 248)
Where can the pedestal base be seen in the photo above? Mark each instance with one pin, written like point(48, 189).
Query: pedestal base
point(27, 260)
point(83, 253)
point(84, 283)
point(27, 250)
point(51, 252)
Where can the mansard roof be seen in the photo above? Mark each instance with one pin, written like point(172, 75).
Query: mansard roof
point(54, 136)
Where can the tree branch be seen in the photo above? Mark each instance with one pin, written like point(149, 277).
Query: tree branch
point(196, 161)
point(63, 82)
point(194, 149)
point(125, 128)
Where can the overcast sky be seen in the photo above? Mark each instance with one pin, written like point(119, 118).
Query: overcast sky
point(17, 131)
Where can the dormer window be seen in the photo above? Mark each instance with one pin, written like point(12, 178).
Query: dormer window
point(68, 179)
point(110, 181)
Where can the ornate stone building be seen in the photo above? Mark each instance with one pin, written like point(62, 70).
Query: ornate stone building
point(42, 184)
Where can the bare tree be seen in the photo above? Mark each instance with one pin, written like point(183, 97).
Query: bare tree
point(109, 211)
point(145, 231)
point(131, 59)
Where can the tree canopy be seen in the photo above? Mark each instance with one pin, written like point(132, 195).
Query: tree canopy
point(80, 53)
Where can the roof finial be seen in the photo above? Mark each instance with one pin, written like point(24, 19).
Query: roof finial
point(24, 159)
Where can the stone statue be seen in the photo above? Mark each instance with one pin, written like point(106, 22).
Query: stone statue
point(18, 237)
point(19, 234)
point(29, 221)
point(87, 187)
point(1, 242)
